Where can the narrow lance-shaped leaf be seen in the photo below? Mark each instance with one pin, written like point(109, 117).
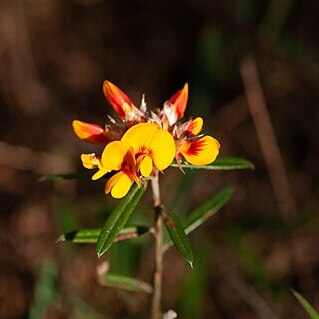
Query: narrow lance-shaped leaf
point(177, 234)
point(91, 235)
point(306, 305)
point(118, 218)
point(198, 216)
point(221, 163)
point(124, 282)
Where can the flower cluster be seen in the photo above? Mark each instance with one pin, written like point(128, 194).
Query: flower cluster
point(142, 141)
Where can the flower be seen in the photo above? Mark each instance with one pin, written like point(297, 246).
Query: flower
point(141, 142)
point(143, 148)
point(153, 146)
point(196, 150)
point(200, 151)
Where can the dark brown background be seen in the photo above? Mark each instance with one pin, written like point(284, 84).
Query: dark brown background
point(54, 57)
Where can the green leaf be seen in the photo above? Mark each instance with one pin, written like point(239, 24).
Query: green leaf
point(124, 282)
point(58, 177)
point(306, 305)
point(198, 216)
point(210, 207)
point(221, 163)
point(177, 234)
point(118, 219)
point(91, 235)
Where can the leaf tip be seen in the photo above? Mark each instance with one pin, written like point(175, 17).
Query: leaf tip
point(61, 238)
point(99, 254)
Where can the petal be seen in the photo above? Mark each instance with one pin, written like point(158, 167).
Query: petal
point(140, 136)
point(120, 102)
point(90, 161)
point(114, 154)
point(202, 151)
point(148, 138)
point(101, 172)
point(179, 101)
point(119, 185)
point(163, 149)
point(145, 165)
point(194, 127)
point(90, 132)
point(111, 182)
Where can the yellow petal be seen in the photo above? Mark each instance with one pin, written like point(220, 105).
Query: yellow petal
point(140, 136)
point(121, 187)
point(90, 161)
point(114, 154)
point(145, 165)
point(148, 138)
point(195, 126)
point(163, 149)
point(202, 151)
point(102, 171)
point(118, 185)
point(111, 182)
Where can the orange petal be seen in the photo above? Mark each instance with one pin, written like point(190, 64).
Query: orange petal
point(179, 101)
point(120, 102)
point(90, 132)
point(201, 151)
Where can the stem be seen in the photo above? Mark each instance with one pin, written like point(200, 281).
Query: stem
point(158, 233)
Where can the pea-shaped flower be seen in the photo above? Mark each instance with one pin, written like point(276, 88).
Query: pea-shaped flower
point(144, 148)
point(138, 141)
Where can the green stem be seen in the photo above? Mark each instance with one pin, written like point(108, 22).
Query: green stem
point(158, 233)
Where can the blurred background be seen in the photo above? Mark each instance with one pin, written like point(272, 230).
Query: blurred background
point(54, 57)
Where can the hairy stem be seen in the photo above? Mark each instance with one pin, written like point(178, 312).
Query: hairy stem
point(158, 233)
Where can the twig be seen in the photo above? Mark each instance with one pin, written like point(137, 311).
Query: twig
point(267, 138)
point(158, 233)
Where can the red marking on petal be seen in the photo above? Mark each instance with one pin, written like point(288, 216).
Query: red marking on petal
point(194, 127)
point(129, 164)
point(120, 102)
point(179, 101)
point(195, 147)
